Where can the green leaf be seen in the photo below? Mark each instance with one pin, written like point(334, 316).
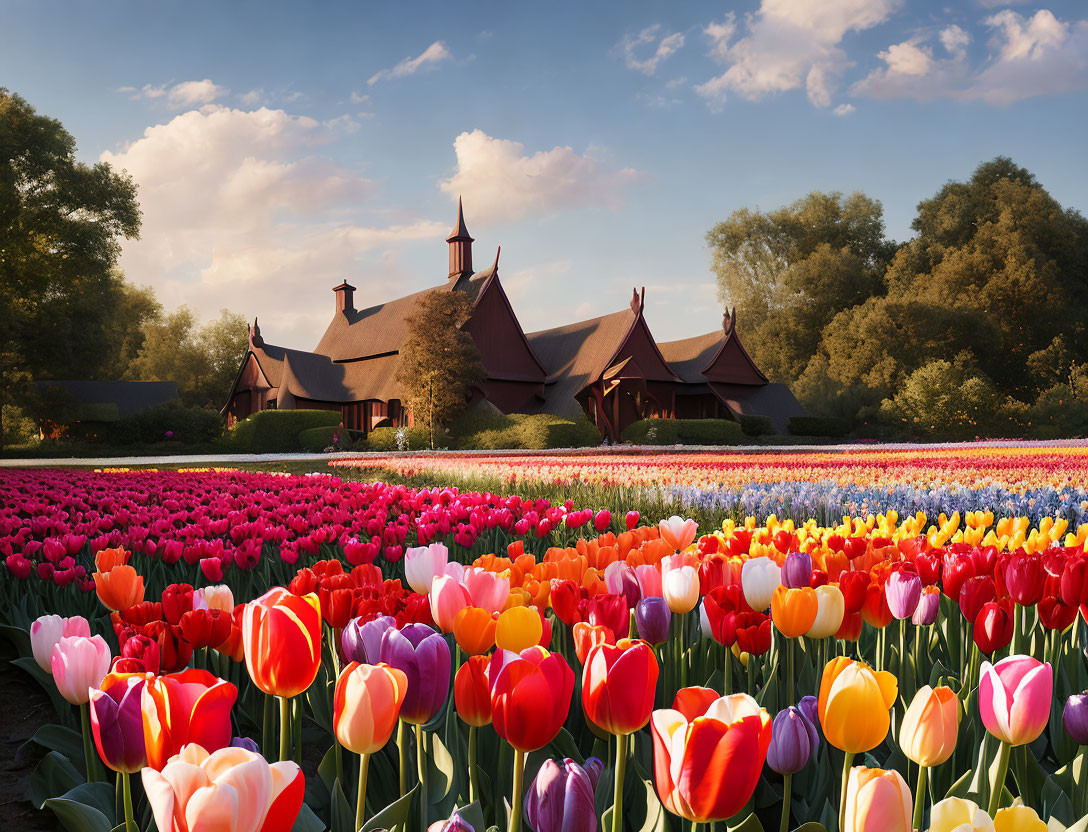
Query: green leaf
point(395, 814)
point(811, 826)
point(749, 824)
point(19, 638)
point(28, 664)
point(473, 815)
point(440, 769)
point(54, 776)
point(343, 813)
point(62, 739)
point(307, 821)
point(656, 818)
point(326, 769)
point(78, 817)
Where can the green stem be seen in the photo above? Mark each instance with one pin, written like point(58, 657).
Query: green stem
point(999, 779)
point(1017, 630)
point(402, 749)
point(519, 791)
point(296, 726)
point(267, 723)
point(473, 787)
point(90, 756)
point(421, 761)
point(360, 802)
point(920, 797)
point(789, 670)
point(787, 795)
point(285, 729)
point(728, 669)
point(847, 761)
point(130, 823)
point(621, 768)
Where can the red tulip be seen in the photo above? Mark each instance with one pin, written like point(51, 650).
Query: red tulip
point(753, 632)
point(1055, 614)
point(188, 707)
point(974, 594)
point(205, 628)
point(1025, 577)
point(177, 599)
point(530, 696)
point(281, 635)
point(618, 685)
point(992, 629)
point(854, 586)
point(471, 692)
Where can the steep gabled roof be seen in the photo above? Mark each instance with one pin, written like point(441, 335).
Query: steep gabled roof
point(715, 356)
point(689, 356)
point(774, 401)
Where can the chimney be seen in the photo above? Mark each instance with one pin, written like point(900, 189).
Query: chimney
point(345, 298)
point(460, 246)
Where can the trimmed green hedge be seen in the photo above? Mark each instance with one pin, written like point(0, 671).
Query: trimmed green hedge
point(277, 431)
point(756, 425)
point(827, 426)
point(385, 439)
point(684, 432)
point(167, 422)
point(316, 440)
point(522, 431)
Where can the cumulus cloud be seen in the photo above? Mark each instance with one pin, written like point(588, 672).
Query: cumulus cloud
point(631, 47)
point(433, 54)
point(1029, 56)
point(241, 209)
point(502, 181)
point(786, 45)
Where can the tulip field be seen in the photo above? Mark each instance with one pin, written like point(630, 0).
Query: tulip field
point(873, 641)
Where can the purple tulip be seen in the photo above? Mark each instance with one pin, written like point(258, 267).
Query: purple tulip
point(926, 612)
point(560, 799)
point(363, 642)
point(455, 823)
point(246, 743)
point(793, 741)
point(653, 618)
point(1075, 718)
point(797, 570)
point(117, 724)
point(903, 591)
point(424, 656)
point(809, 706)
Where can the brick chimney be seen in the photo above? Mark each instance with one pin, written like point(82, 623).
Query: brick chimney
point(345, 298)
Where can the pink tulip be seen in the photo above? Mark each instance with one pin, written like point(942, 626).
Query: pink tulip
point(649, 580)
point(231, 789)
point(46, 631)
point(423, 563)
point(1014, 698)
point(447, 597)
point(79, 664)
point(488, 590)
point(677, 532)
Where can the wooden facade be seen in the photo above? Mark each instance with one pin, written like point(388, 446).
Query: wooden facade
point(609, 368)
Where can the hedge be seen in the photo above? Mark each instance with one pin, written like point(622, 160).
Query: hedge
point(522, 431)
point(684, 432)
point(277, 431)
point(828, 426)
point(756, 425)
point(316, 440)
point(385, 439)
point(167, 422)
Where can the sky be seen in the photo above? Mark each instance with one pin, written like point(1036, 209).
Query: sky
point(280, 148)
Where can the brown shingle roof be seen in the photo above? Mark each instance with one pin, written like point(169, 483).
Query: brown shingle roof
point(689, 356)
point(772, 400)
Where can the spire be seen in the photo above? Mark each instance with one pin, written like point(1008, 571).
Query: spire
point(460, 246)
point(255, 339)
point(729, 320)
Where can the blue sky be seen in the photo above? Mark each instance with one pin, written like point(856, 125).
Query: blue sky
point(280, 148)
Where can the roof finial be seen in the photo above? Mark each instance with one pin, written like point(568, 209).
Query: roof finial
point(729, 320)
point(460, 231)
point(255, 339)
point(634, 300)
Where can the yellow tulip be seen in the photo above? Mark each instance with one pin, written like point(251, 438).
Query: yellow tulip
point(853, 704)
point(930, 726)
point(956, 813)
point(518, 629)
point(830, 611)
point(1018, 818)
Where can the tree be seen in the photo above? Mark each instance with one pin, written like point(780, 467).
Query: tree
point(439, 362)
point(202, 361)
point(60, 221)
point(136, 308)
point(790, 271)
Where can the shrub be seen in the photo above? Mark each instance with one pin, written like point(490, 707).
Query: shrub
point(386, 439)
point(276, 431)
point(1057, 414)
point(167, 422)
point(528, 432)
point(827, 426)
point(19, 428)
point(684, 432)
point(316, 440)
point(756, 425)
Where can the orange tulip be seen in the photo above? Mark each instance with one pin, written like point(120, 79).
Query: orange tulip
point(119, 588)
point(794, 610)
point(471, 692)
point(106, 559)
point(188, 707)
point(588, 636)
point(281, 636)
point(366, 706)
point(618, 685)
point(930, 726)
point(474, 629)
point(707, 767)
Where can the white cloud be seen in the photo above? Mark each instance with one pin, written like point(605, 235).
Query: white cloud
point(788, 44)
point(359, 98)
point(1029, 56)
point(242, 210)
point(631, 46)
point(501, 181)
point(993, 4)
point(252, 98)
point(844, 109)
point(433, 54)
point(193, 93)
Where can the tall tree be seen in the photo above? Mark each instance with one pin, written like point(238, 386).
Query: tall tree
point(790, 271)
point(440, 361)
point(60, 221)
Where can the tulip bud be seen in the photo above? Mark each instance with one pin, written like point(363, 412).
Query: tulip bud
point(929, 603)
point(930, 726)
point(797, 570)
point(877, 798)
point(361, 642)
point(560, 799)
point(759, 578)
point(653, 619)
point(903, 591)
point(1075, 718)
point(1014, 698)
point(681, 589)
point(793, 741)
point(47, 630)
point(79, 664)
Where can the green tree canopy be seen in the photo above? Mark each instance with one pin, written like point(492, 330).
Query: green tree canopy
point(60, 222)
point(440, 361)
